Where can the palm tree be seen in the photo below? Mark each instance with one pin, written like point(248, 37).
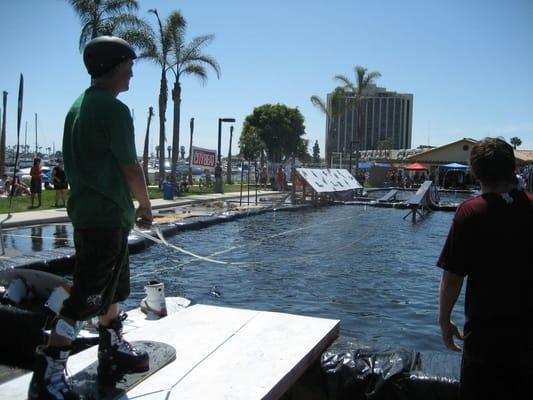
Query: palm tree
point(106, 17)
point(146, 144)
point(156, 47)
point(336, 107)
point(516, 142)
point(186, 59)
point(357, 90)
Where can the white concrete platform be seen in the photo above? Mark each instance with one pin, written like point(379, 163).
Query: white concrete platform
point(222, 353)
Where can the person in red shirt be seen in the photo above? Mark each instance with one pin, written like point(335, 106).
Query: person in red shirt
point(36, 183)
point(486, 245)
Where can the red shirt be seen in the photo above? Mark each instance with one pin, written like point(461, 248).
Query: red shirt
point(490, 243)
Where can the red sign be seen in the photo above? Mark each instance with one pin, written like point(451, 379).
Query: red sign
point(204, 157)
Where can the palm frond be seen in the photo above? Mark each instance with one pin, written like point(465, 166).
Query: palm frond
point(198, 70)
point(117, 7)
point(319, 103)
point(205, 60)
point(196, 45)
point(83, 8)
point(143, 41)
point(348, 84)
point(85, 35)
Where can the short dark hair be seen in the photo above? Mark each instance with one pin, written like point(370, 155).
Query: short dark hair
point(492, 161)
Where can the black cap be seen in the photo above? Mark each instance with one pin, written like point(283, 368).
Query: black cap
point(105, 52)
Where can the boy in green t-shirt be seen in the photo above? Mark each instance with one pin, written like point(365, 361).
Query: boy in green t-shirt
point(102, 169)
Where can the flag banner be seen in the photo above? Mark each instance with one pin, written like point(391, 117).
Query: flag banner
point(204, 157)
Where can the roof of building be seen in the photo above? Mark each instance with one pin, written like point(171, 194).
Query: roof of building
point(524, 155)
point(435, 149)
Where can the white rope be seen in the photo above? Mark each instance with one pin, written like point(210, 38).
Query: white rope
point(161, 240)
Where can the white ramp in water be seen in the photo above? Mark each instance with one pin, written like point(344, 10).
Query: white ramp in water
point(221, 353)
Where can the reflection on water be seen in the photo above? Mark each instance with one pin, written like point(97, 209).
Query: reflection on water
point(37, 238)
point(362, 265)
point(61, 237)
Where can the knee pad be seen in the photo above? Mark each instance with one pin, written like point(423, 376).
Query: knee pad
point(66, 329)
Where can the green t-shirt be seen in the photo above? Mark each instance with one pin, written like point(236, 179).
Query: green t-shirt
point(97, 139)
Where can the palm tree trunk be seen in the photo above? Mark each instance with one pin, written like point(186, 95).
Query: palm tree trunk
point(162, 112)
point(176, 98)
point(146, 144)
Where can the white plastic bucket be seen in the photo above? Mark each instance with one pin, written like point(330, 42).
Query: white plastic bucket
point(154, 302)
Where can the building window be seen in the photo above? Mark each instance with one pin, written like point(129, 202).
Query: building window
point(466, 147)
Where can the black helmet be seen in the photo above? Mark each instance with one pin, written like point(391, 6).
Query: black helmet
point(105, 52)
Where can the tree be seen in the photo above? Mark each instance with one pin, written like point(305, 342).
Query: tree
point(106, 17)
point(516, 142)
point(356, 89)
point(146, 144)
point(335, 106)
point(156, 48)
point(273, 131)
point(316, 153)
point(185, 59)
point(385, 144)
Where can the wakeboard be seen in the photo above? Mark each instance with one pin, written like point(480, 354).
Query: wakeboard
point(115, 386)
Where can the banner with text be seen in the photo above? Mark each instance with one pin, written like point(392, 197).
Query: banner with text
point(204, 157)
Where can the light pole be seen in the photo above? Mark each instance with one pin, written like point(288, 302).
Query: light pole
point(228, 177)
point(219, 184)
point(190, 153)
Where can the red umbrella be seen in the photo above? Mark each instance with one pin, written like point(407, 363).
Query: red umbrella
point(416, 167)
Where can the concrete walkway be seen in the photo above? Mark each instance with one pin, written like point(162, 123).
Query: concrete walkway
point(54, 215)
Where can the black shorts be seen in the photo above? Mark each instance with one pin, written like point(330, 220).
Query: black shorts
point(36, 186)
point(101, 272)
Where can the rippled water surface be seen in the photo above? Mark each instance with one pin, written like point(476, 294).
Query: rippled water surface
point(365, 266)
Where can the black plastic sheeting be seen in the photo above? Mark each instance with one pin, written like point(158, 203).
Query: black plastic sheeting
point(391, 375)
point(22, 332)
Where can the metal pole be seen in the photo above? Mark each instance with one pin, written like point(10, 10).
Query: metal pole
point(190, 152)
point(242, 179)
point(248, 182)
point(218, 168)
point(36, 148)
point(228, 178)
point(351, 151)
point(219, 138)
point(256, 180)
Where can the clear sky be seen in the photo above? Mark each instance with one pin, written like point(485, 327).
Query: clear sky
point(467, 63)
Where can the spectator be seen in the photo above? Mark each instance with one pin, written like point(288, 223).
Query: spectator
point(59, 179)
point(36, 183)
point(486, 245)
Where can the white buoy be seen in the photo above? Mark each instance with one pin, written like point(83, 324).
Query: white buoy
point(154, 302)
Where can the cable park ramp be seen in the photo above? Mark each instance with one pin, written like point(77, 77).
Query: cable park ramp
point(422, 202)
point(324, 185)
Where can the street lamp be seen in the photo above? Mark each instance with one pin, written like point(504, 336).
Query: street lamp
point(219, 185)
point(228, 174)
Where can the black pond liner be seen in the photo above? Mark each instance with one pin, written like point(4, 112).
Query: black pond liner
point(391, 375)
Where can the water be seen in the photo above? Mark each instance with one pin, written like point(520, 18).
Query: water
point(365, 266)
point(33, 239)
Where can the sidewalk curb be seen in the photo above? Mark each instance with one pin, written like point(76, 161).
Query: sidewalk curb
point(29, 218)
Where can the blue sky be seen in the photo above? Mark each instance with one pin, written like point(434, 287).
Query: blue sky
point(468, 64)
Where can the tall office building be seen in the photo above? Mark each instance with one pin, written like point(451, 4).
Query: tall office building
point(384, 115)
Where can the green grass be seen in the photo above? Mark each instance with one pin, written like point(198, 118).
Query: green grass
point(22, 203)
